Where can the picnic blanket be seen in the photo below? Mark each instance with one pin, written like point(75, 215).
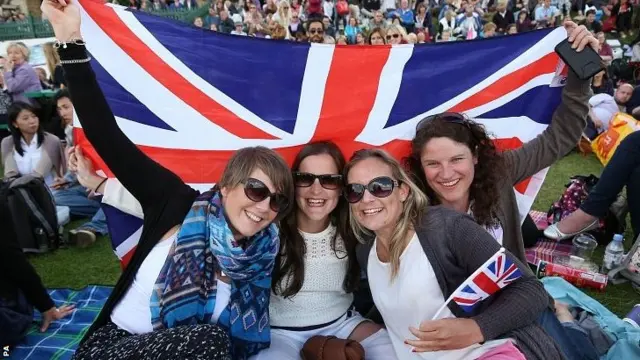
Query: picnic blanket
point(61, 339)
point(545, 249)
point(626, 337)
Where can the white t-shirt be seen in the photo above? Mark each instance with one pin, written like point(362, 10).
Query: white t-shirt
point(413, 296)
point(133, 313)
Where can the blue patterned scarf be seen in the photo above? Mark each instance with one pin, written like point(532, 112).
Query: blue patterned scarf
point(185, 291)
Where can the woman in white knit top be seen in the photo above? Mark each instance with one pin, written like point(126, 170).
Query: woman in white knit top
point(316, 270)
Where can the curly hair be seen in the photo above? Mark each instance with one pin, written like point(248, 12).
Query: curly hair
point(484, 194)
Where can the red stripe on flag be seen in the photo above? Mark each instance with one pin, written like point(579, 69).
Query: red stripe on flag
point(509, 144)
point(465, 301)
point(507, 84)
point(486, 284)
point(188, 164)
point(347, 104)
point(206, 166)
point(127, 258)
point(119, 32)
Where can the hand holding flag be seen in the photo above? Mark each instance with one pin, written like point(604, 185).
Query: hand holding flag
point(496, 273)
point(445, 334)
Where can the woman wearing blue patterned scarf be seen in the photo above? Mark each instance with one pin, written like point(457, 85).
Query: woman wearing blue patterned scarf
point(198, 283)
point(203, 290)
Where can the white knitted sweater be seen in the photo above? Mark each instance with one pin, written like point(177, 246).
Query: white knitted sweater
point(321, 298)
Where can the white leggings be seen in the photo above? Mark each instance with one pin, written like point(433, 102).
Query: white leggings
point(286, 344)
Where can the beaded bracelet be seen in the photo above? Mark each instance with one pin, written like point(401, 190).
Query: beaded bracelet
point(76, 61)
point(59, 43)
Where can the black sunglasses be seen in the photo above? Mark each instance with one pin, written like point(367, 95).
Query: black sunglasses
point(257, 191)
point(394, 36)
point(316, 31)
point(452, 117)
point(380, 187)
point(327, 181)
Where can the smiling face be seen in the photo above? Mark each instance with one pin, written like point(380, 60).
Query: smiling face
point(393, 36)
point(315, 203)
point(247, 217)
point(379, 215)
point(449, 168)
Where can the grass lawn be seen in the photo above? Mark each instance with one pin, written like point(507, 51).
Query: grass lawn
point(97, 264)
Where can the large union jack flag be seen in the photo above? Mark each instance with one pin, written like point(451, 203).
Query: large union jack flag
point(190, 97)
point(495, 274)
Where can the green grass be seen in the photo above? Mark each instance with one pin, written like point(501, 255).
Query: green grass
point(75, 268)
point(617, 298)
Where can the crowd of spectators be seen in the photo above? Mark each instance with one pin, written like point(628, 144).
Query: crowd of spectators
point(409, 21)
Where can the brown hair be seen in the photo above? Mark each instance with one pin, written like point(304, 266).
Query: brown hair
point(248, 159)
point(412, 208)
point(489, 171)
point(288, 274)
point(379, 31)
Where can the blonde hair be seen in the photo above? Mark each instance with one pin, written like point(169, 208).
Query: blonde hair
point(412, 208)
point(22, 48)
point(52, 57)
point(490, 27)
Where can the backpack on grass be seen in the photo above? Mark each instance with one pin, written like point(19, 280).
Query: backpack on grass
point(33, 213)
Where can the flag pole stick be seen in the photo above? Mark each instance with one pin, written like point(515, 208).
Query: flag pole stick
point(441, 309)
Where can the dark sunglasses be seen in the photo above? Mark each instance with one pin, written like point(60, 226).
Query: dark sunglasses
point(393, 36)
point(452, 117)
point(380, 187)
point(316, 31)
point(257, 191)
point(327, 181)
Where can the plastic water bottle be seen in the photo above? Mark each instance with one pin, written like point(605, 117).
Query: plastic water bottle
point(613, 254)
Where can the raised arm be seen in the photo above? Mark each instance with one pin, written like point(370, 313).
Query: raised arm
point(515, 306)
point(568, 122)
point(145, 179)
point(116, 195)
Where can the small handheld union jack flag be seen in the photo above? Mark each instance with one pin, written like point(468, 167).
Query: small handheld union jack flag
point(495, 274)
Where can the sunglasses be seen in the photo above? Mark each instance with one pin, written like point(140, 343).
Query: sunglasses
point(452, 117)
point(380, 187)
point(395, 36)
point(316, 31)
point(257, 191)
point(327, 181)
